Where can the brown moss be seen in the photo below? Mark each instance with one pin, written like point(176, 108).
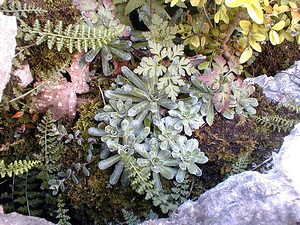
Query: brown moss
point(275, 58)
point(44, 62)
point(57, 10)
point(226, 140)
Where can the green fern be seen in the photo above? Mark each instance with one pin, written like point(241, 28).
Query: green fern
point(79, 37)
point(20, 9)
point(17, 167)
point(169, 202)
point(140, 179)
point(130, 218)
point(27, 197)
point(276, 122)
point(241, 164)
point(62, 213)
point(51, 149)
point(291, 106)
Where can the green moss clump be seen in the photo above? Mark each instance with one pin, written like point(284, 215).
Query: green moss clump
point(103, 203)
point(45, 63)
point(87, 113)
point(228, 140)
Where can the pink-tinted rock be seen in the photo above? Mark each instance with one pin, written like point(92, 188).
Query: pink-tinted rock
point(25, 75)
point(79, 75)
point(60, 98)
point(18, 219)
point(8, 32)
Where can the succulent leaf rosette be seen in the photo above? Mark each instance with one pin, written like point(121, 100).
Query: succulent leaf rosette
point(187, 116)
point(168, 134)
point(188, 153)
point(157, 160)
point(126, 147)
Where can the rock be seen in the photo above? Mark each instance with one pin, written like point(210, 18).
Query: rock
point(252, 198)
point(284, 87)
point(25, 75)
point(18, 219)
point(8, 27)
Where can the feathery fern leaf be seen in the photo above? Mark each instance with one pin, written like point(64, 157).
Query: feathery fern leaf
point(62, 213)
point(20, 9)
point(241, 164)
point(17, 167)
point(291, 106)
point(140, 179)
point(79, 37)
point(276, 122)
point(130, 217)
point(51, 149)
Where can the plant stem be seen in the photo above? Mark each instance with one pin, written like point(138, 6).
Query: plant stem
point(229, 32)
point(25, 94)
point(26, 195)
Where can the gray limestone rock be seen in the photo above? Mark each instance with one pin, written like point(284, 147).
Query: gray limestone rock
point(18, 219)
point(284, 87)
point(8, 32)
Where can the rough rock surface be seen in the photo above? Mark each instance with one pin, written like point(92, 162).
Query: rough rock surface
point(18, 219)
point(24, 75)
point(8, 32)
point(250, 197)
point(285, 86)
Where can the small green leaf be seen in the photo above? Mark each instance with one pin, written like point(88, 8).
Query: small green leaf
point(203, 65)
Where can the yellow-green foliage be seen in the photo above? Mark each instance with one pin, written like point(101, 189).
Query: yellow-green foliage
point(17, 167)
point(240, 26)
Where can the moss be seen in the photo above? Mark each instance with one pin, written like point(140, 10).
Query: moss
point(103, 203)
point(86, 120)
point(226, 140)
point(57, 10)
point(44, 62)
point(275, 58)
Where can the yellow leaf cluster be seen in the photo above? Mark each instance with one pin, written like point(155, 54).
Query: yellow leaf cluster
point(222, 15)
point(253, 7)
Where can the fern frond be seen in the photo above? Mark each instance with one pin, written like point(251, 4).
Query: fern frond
point(276, 122)
point(130, 217)
point(241, 164)
point(79, 37)
point(62, 213)
point(140, 178)
point(291, 106)
point(20, 9)
point(17, 167)
point(51, 147)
